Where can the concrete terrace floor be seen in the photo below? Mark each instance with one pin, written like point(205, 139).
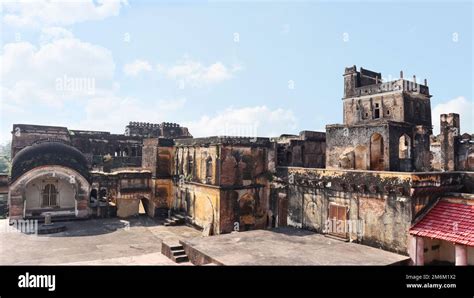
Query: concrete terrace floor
point(288, 246)
point(109, 241)
point(138, 241)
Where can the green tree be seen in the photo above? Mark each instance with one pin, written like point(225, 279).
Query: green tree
point(5, 158)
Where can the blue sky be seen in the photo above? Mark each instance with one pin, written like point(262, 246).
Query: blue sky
point(224, 67)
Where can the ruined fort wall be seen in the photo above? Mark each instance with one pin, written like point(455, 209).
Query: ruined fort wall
point(348, 147)
point(385, 202)
point(201, 203)
point(243, 209)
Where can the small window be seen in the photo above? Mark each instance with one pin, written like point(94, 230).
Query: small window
point(208, 169)
point(404, 147)
point(388, 112)
point(50, 196)
point(190, 166)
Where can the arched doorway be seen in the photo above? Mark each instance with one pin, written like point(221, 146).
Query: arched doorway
point(404, 147)
point(376, 152)
point(58, 190)
point(246, 211)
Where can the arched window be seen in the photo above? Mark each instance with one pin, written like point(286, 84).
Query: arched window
point(125, 152)
point(377, 111)
point(117, 152)
point(190, 165)
point(50, 196)
point(376, 152)
point(209, 168)
point(404, 147)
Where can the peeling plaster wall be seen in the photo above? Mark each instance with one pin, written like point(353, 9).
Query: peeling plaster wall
point(342, 142)
point(243, 209)
point(233, 188)
point(386, 202)
point(201, 157)
point(201, 203)
point(127, 207)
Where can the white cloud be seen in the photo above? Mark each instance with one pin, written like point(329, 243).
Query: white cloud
point(38, 81)
point(137, 66)
point(459, 105)
point(247, 121)
point(49, 34)
point(63, 69)
point(196, 74)
point(36, 13)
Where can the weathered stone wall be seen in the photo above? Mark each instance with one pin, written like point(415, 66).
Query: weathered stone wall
point(158, 157)
point(242, 165)
point(126, 189)
point(199, 164)
point(221, 181)
point(448, 139)
point(465, 155)
point(201, 203)
point(363, 109)
point(348, 147)
point(367, 98)
point(243, 209)
point(162, 193)
point(306, 150)
point(386, 202)
point(127, 207)
point(451, 151)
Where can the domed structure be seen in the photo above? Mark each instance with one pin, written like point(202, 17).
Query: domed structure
point(49, 177)
point(49, 153)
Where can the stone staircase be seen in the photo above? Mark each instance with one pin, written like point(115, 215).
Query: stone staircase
point(175, 252)
point(178, 255)
point(176, 219)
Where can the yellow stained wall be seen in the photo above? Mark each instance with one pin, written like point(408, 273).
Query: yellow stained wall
point(162, 193)
point(200, 156)
point(204, 204)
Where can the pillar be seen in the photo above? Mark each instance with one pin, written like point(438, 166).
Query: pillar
point(417, 250)
point(460, 254)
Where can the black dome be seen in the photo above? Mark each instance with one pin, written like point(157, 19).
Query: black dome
point(50, 153)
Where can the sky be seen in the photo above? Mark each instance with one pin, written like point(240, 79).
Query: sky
point(223, 67)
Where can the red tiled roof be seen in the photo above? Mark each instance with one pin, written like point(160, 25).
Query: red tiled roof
point(447, 221)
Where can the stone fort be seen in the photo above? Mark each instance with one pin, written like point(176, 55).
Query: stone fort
point(383, 167)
